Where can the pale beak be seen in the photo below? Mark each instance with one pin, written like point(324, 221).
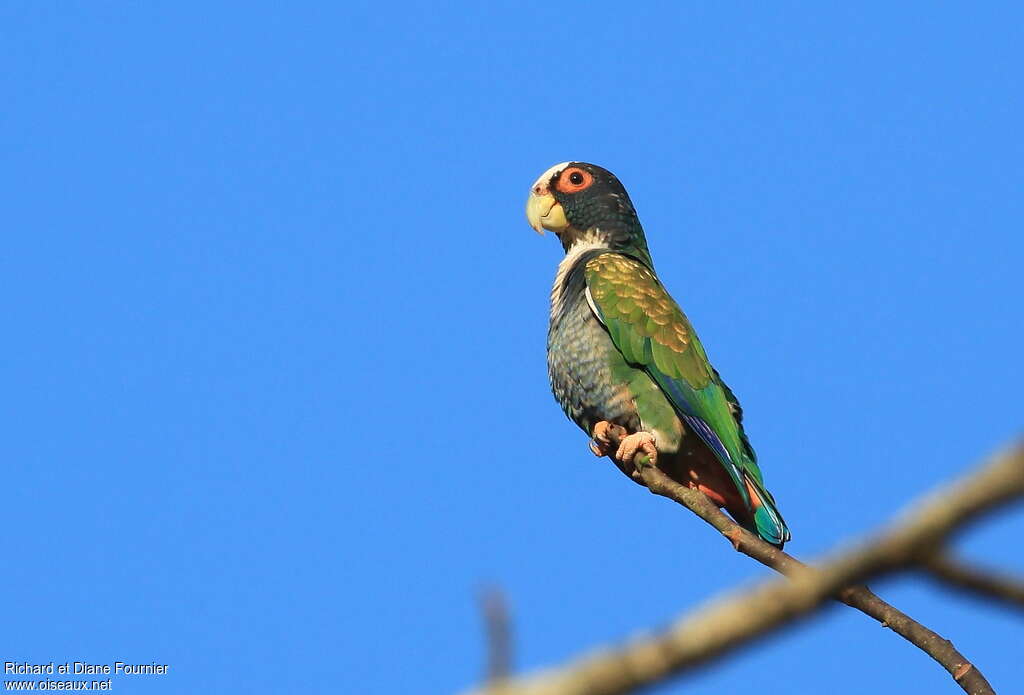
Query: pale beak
point(544, 212)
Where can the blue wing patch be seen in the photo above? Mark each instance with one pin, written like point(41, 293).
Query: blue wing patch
point(708, 436)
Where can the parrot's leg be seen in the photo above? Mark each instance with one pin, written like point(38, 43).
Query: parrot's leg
point(637, 442)
point(601, 440)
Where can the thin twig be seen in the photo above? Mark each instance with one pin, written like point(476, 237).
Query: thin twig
point(498, 625)
point(859, 597)
point(984, 583)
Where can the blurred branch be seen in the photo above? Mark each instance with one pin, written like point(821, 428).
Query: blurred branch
point(983, 583)
point(729, 623)
point(498, 627)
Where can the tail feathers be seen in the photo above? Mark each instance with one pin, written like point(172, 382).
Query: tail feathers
point(768, 522)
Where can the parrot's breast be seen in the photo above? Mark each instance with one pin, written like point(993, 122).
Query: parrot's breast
point(589, 376)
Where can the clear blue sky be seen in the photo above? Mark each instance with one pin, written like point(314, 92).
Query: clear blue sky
point(276, 401)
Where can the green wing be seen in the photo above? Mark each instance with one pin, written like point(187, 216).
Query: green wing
point(652, 332)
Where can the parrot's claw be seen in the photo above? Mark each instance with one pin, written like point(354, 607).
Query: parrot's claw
point(638, 442)
point(601, 442)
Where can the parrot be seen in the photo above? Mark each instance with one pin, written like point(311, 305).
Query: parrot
point(623, 356)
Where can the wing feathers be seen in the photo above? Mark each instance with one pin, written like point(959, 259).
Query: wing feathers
point(652, 332)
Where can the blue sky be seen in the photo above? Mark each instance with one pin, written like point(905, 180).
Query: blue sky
point(276, 397)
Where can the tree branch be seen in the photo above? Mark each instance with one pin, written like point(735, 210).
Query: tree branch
point(729, 623)
point(985, 583)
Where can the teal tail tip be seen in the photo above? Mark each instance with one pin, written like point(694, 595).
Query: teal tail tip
point(770, 526)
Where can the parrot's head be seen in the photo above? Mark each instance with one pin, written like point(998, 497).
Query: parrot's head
point(578, 201)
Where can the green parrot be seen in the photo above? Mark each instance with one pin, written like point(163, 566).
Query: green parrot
point(621, 353)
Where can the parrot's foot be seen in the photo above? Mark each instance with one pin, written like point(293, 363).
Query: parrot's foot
point(601, 441)
point(638, 442)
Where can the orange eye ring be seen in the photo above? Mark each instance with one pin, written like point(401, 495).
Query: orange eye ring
point(573, 180)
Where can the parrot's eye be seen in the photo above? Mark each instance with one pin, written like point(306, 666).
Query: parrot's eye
point(573, 180)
